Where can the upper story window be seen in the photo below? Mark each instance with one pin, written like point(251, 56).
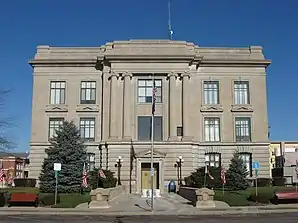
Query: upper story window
point(243, 129)
point(247, 160)
point(212, 129)
point(88, 92)
point(211, 92)
point(145, 90)
point(57, 92)
point(90, 161)
point(144, 128)
point(212, 159)
point(54, 125)
point(87, 129)
point(241, 92)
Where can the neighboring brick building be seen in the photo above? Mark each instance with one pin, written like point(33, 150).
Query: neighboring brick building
point(15, 165)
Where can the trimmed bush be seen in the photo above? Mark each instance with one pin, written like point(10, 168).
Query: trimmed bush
point(2, 199)
point(265, 195)
point(24, 182)
point(96, 181)
point(48, 199)
point(262, 182)
point(196, 179)
point(279, 181)
point(277, 172)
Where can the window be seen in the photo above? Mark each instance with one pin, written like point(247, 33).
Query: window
point(90, 161)
point(144, 128)
point(247, 160)
point(87, 129)
point(212, 129)
point(145, 90)
point(57, 92)
point(54, 125)
point(212, 159)
point(88, 92)
point(241, 92)
point(179, 131)
point(211, 92)
point(243, 129)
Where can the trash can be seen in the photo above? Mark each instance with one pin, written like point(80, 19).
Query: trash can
point(172, 187)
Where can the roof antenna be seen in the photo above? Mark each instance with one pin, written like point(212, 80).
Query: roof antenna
point(169, 21)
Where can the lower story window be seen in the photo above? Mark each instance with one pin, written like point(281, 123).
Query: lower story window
point(247, 160)
point(212, 159)
point(90, 161)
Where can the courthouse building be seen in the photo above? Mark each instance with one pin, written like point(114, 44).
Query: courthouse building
point(210, 102)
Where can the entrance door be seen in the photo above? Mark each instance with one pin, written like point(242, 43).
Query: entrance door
point(146, 176)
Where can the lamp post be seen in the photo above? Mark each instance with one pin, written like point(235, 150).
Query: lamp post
point(119, 165)
point(178, 165)
point(100, 155)
point(107, 156)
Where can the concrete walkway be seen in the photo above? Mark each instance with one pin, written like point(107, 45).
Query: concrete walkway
point(133, 204)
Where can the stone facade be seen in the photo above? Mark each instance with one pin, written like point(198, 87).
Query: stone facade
point(185, 70)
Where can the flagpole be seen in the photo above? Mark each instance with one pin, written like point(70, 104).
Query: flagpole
point(205, 176)
point(152, 144)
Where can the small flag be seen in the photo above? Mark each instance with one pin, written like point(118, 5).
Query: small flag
point(154, 90)
point(223, 175)
point(2, 174)
point(84, 178)
point(208, 173)
point(10, 180)
point(101, 173)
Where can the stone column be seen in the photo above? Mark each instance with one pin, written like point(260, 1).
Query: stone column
point(127, 105)
point(114, 107)
point(185, 107)
point(172, 107)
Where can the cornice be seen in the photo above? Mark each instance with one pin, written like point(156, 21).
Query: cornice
point(63, 62)
point(235, 63)
point(152, 58)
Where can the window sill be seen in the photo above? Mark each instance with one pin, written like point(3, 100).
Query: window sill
point(212, 108)
point(56, 108)
point(242, 108)
point(87, 108)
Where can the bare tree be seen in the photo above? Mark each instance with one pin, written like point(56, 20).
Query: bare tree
point(5, 123)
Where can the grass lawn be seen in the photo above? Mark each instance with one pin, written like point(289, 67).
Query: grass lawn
point(240, 198)
point(66, 200)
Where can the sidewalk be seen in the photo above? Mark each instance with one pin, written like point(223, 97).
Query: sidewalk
point(132, 205)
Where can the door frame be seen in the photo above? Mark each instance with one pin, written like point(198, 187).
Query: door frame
point(145, 157)
point(157, 173)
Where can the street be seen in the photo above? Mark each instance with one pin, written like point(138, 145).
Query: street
point(248, 218)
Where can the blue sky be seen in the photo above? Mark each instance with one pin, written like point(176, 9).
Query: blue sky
point(271, 24)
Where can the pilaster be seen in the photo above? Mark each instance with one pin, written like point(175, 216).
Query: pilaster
point(127, 106)
point(113, 127)
point(185, 107)
point(172, 107)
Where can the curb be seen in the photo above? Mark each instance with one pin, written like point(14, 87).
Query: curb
point(142, 213)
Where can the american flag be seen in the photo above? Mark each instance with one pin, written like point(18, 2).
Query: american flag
point(2, 174)
point(153, 97)
point(101, 173)
point(84, 178)
point(208, 173)
point(223, 175)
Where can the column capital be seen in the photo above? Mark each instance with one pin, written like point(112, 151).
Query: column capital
point(186, 73)
point(127, 74)
point(172, 74)
point(113, 74)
